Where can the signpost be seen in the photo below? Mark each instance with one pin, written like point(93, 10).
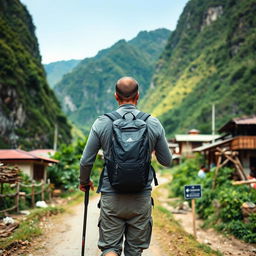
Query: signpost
point(193, 192)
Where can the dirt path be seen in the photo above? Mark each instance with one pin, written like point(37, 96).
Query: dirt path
point(228, 245)
point(63, 237)
point(63, 234)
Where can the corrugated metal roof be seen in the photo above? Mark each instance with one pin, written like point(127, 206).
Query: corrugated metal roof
point(196, 137)
point(17, 154)
point(43, 152)
point(211, 145)
point(245, 120)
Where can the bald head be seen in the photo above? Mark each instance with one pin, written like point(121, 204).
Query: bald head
point(127, 88)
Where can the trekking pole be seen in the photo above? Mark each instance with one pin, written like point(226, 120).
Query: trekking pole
point(86, 201)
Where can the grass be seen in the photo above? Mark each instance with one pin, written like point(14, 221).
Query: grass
point(174, 239)
point(29, 227)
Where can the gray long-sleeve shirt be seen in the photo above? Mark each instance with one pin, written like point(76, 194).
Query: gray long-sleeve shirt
point(100, 137)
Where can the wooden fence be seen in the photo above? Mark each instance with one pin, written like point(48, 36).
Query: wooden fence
point(18, 195)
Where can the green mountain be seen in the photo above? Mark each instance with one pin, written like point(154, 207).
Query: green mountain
point(88, 90)
point(29, 109)
point(209, 58)
point(56, 70)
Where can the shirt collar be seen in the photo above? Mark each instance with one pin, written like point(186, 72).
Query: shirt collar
point(129, 106)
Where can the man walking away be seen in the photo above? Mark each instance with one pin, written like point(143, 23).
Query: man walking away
point(127, 137)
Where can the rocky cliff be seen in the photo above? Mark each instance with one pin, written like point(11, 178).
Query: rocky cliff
point(29, 109)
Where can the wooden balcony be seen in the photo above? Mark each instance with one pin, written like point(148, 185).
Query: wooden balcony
point(243, 142)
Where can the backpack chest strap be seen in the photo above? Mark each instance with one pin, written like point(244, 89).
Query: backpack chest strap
point(115, 115)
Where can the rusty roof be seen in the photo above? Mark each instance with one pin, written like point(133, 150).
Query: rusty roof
point(245, 120)
point(208, 146)
point(17, 154)
point(43, 152)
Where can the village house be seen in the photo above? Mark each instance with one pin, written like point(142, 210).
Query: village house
point(239, 139)
point(187, 142)
point(33, 163)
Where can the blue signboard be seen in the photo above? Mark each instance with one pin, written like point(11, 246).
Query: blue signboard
point(192, 191)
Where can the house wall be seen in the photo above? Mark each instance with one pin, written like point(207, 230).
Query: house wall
point(27, 168)
point(186, 149)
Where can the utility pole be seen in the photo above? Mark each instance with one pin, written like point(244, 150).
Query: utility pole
point(213, 123)
point(55, 138)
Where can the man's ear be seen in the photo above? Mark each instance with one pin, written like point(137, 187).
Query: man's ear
point(137, 96)
point(117, 97)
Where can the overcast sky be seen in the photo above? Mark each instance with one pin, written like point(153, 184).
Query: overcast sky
point(80, 28)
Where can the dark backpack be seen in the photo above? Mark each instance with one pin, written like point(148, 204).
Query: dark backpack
point(129, 163)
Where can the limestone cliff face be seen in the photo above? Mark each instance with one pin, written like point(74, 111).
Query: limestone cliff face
point(28, 107)
point(211, 15)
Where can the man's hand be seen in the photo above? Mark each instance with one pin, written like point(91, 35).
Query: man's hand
point(83, 187)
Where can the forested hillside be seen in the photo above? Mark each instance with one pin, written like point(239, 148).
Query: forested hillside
point(209, 58)
point(88, 90)
point(56, 70)
point(28, 107)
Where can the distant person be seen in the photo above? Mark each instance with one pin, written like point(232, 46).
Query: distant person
point(125, 204)
point(252, 176)
point(202, 172)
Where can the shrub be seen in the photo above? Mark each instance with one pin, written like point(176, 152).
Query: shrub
point(65, 174)
point(220, 207)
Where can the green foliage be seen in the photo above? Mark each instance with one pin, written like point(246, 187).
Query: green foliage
point(205, 64)
point(220, 207)
point(65, 174)
point(88, 91)
point(29, 109)
point(245, 231)
point(184, 174)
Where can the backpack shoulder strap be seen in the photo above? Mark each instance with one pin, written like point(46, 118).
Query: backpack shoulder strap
point(113, 115)
point(143, 116)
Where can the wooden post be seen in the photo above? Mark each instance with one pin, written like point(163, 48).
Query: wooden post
point(216, 172)
point(42, 190)
point(194, 216)
point(49, 189)
point(33, 193)
point(1, 192)
point(17, 201)
point(241, 182)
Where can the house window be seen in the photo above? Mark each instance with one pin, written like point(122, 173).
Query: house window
point(38, 173)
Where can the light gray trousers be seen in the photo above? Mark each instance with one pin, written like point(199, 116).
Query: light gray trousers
point(125, 216)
